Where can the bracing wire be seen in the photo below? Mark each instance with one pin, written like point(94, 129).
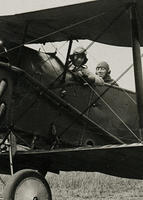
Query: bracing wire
point(115, 81)
point(98, 36)
point(133, 100)
point(62, 45)
point(85, 124)
point(100, 127)
point(2, 181)
point(111, 109)
point(42, 37)
point(99, 96)
point(107, 27)
point(48, 59)
point(61, 29)
point(54, 32)
point(57, 49)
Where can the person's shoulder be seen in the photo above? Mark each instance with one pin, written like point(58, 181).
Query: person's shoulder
point(113, 82)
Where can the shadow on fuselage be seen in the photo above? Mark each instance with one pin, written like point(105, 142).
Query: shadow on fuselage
point(46, 67)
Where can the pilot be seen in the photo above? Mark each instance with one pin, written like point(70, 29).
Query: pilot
point(80, 70)
point(103, 70)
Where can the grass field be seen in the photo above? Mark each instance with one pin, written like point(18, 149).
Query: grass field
point(91, 186)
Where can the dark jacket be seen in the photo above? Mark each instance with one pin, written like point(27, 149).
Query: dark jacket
point(109, 80)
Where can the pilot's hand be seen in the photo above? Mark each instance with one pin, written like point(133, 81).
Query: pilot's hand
point(85, 84)
point(79, 73)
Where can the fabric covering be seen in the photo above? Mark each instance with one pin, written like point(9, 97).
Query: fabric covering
point(118, 160)
point(98, 20)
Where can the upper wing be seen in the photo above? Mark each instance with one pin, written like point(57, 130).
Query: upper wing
point(99, 20)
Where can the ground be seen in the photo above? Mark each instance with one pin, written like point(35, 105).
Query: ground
point(92, 186)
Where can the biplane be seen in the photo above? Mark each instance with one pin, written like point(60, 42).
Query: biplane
point(50, 123)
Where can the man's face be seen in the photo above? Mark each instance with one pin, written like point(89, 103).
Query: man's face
point(101, 71)
point(78, 59)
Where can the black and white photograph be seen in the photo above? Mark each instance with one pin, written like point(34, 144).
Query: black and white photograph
point(71, 100)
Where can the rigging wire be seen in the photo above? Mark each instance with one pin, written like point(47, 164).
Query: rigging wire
point(49, 60)
point(56, 49)
point(99, 96)
point(107, 27)
point(54, 32)
point(98, 36)
point(65, 29)
point(60, 30)
point(61, 75)
point(133, 100)
point(85, 124)
point(121, 77)
point(98, 126)
point(96, 123)
point(111, 109)
point(16, 133)
point(62, 45)
point(117, 81)
point(2, 180)
point(73, 25)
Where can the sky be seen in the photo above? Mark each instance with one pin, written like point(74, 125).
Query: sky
point(119, 58)
point(9, 7)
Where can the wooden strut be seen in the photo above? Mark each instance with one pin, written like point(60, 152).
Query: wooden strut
point(10, 155)
point(137, 66)
point(12, 150)
point(67, 61)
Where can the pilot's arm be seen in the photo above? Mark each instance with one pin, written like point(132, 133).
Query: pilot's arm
point(92, 78)
point(98, 80)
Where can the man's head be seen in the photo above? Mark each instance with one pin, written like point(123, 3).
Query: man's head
point(78, 57)
point(103, 69)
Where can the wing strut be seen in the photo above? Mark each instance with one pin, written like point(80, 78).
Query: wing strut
point(137, 66)
point(67, 60)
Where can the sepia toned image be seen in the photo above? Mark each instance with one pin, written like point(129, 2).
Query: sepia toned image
point(71, 100)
